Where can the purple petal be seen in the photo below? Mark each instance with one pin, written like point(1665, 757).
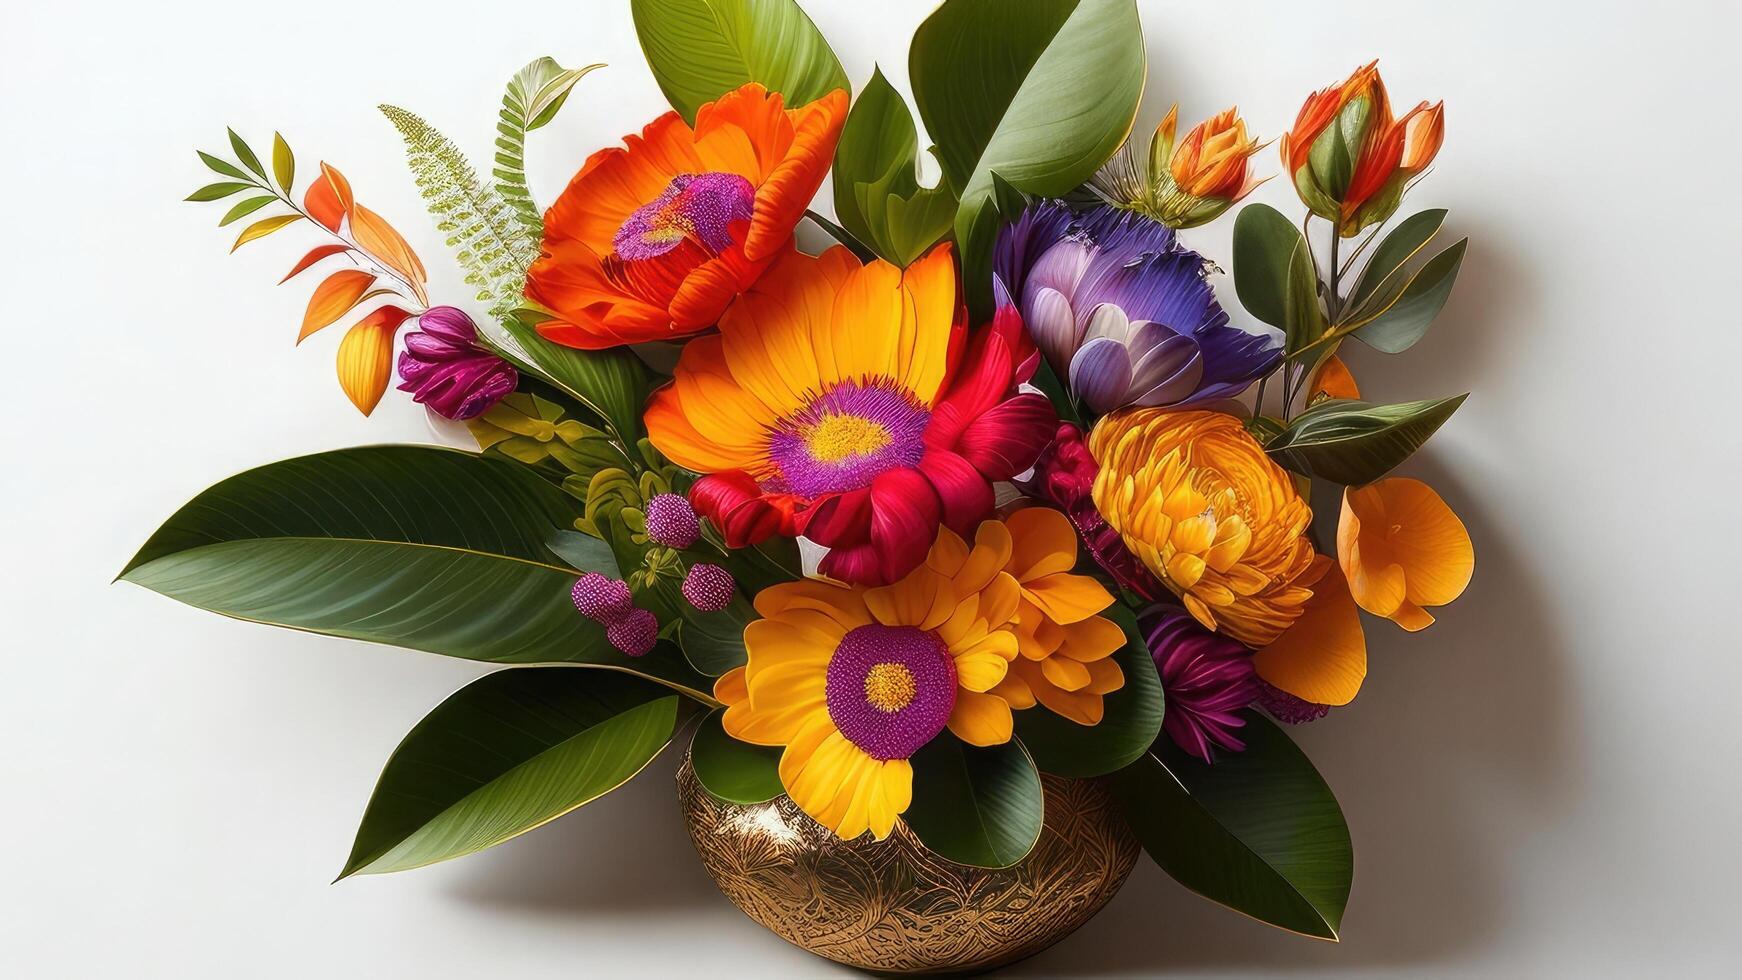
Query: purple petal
point(1053, 326)
point(1101, 373)
point(1169, 374)
point(1108, 321)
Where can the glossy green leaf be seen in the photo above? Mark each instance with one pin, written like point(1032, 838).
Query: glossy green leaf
point(431, 549)
point(701, 49)
point(1356, 442)
point(1274, 274)
point(218, 191)
point(283, 163)
point(713, 642)
point(534, 96)
point(246, 155)
point(245, 208)
point(1258, 831)
point(584, 552)
point(507, 753)
point(1407, 319)
point(734, 771)
point(1043, 98)
point(877, 193)
point(842, 236)
point(222, 167)
point(1131, 722)
point(974, 806)
point(1387, 270)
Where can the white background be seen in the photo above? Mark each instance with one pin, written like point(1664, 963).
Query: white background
point(1543, 784)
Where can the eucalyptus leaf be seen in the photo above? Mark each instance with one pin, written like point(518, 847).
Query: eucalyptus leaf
point(1131, 722)
point(701, 49)
point(982, 807)
point(1385, 272)
point(1356, 442)
point(1257, 831)
point(584, 553)
point(1043, 98)
point(505, 754)
point(734, 771)
point(1407, 319)
point(431, 549)
point(1274, 274)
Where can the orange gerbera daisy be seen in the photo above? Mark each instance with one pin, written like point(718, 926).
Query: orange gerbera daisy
point(653, 240)
point(1402, 548)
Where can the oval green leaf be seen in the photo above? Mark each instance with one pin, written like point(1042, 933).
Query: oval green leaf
point(981, 807)
point(1355, 442)
point(701, 49)
point(1258, 831)
point(713, 642)
point(1407, 319)
point(507, 753)
point(245, 208)
point(217, 191)
point(431, 549)
point(1043, 99)
point(1385, 272)
point(1131, 722)
point(734, 771)
point(1274, 275)
point(283, 163)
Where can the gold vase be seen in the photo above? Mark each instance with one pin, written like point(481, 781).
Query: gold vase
point(893, 906)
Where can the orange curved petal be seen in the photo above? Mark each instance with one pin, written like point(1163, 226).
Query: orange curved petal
point(788, 188)
point(1044, 543)
point(1402, 549)
point(1322, 658)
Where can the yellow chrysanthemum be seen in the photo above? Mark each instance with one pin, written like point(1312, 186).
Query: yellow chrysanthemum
point(1193, 496)
point(852, 681)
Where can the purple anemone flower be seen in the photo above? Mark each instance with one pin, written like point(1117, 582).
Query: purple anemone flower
point(1206, 679)
point(1122, 311)
point(445, 368)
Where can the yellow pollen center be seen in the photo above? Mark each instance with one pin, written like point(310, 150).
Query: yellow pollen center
point(840, 436)
point(889, 687)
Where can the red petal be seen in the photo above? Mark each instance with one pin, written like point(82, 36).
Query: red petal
point(839, 520)
point(1006, 440)
point(966, 496)
point(904, 520)
point(735, 504)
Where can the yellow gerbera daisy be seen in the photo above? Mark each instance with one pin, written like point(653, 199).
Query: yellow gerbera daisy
point(854, 680)
point(1194, 497)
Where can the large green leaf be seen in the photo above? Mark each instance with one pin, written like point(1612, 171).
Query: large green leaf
point(713, 642)
point(534, 95)
point(974, 806)
point(1355, 442)
point(1406, 319)
point(1257, 831)
point(734, 771)
point(431, 549)
point(1042, 97)
point(507, 753)
point(1131, 722)
point(1386, 271)
point(701, 49)
point(1274, 274)
point(877, 192)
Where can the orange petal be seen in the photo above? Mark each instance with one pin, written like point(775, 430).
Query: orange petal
point(380, 240)
point(981, 719)
point(1332, 380)
point(328, 199)
point(1067, 598)
point(1322, 658)
point(1045, 543)
point(333, 298)
point(787, 190)
point(365, 361)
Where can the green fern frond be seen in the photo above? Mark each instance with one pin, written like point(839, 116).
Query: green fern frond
point(492, 245)
point(534, 95)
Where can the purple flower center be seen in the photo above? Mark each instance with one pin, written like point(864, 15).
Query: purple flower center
point(846, 437)
point(693, 207)
point(891, 689)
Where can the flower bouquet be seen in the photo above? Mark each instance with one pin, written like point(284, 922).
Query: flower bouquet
point(965, 556)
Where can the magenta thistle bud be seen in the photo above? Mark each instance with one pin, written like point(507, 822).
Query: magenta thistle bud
point(634, 633)
point(708, 587)
point(601, 599)
point(671, 521)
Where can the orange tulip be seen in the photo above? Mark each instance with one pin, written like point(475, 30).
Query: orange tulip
point(1350, 159)
point(1211, 160)
point(1402, 549)
point(653, 241)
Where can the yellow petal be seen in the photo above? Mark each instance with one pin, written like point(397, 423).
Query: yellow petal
point(769, 642)
point(1094, 638)
point(1105, 677)
point(991, 552)
point(928, 318)
point(1322, 658)
point(1430, 542)
point(1014, 690)
point(924, 599)
point(947, 553)
point(1065, 673)
point(365, 361)
point(730, 688)
point(980, 670)
point(837, 601)
point(1067, 598)
point(1044, 543)
point(981, 719)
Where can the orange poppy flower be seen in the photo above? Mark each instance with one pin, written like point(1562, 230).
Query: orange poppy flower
point(1402, 548)
point(652, 240)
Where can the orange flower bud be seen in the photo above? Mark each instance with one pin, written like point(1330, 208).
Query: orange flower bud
point(1350, 159)
point(1188, 184)
point(1211, 161)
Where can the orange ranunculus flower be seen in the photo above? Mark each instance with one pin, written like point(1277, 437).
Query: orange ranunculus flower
point(1402, 549)
point(1193, 496)
point(652, 240)
point(1349, 159)
point(1322, 658)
